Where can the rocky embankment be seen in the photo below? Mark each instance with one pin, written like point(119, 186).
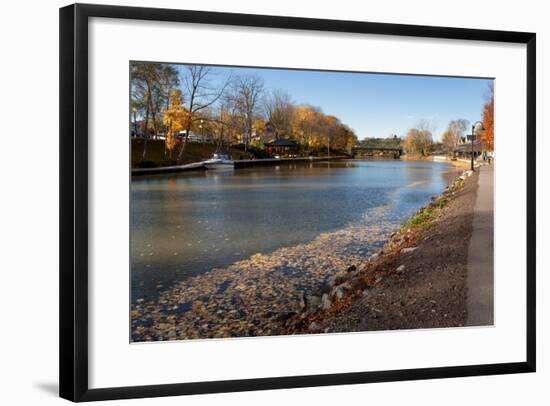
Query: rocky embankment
point(417, 280)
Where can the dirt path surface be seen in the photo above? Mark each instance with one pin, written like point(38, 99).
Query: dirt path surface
point(423, 285)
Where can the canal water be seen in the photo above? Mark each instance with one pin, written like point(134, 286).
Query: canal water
point(187, 224)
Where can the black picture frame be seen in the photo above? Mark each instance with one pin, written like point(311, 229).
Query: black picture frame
point(73, 196)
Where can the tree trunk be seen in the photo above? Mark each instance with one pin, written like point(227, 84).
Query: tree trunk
point(146, 125)
point(190, 121)
point(220, 141)
point(155, 129)
point(182, 148)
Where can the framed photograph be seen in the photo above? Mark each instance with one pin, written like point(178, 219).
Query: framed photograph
point(258, 202)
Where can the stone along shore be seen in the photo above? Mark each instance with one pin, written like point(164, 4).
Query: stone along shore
point(331, 284)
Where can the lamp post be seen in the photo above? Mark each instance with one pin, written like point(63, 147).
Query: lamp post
point(201, 130)
point(473, 136)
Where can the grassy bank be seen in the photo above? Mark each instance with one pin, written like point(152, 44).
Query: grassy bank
point(156, 154)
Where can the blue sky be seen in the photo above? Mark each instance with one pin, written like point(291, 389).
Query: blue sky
point(378, 105)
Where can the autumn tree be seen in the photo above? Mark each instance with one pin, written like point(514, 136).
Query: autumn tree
point(150, 87)
point(232, 121)
point(488, 135)
point(259, 129)
point(315, 130)
point(247, 92)
point(225, 120)
point(219, 123)
point(201, 94)
point(279, 109)
point(306, 125)
point(175, 119)
point(453, 133)
point(346, 139)
point(330, 128)
point(419, 140)
point(167, 81)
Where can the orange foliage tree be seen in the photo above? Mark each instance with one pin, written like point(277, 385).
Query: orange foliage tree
point(175, 119)
point(488, 136)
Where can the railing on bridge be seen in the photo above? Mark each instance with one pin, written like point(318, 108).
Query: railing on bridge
point(361, 151)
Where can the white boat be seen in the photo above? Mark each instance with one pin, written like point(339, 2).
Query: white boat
point(219, 161)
